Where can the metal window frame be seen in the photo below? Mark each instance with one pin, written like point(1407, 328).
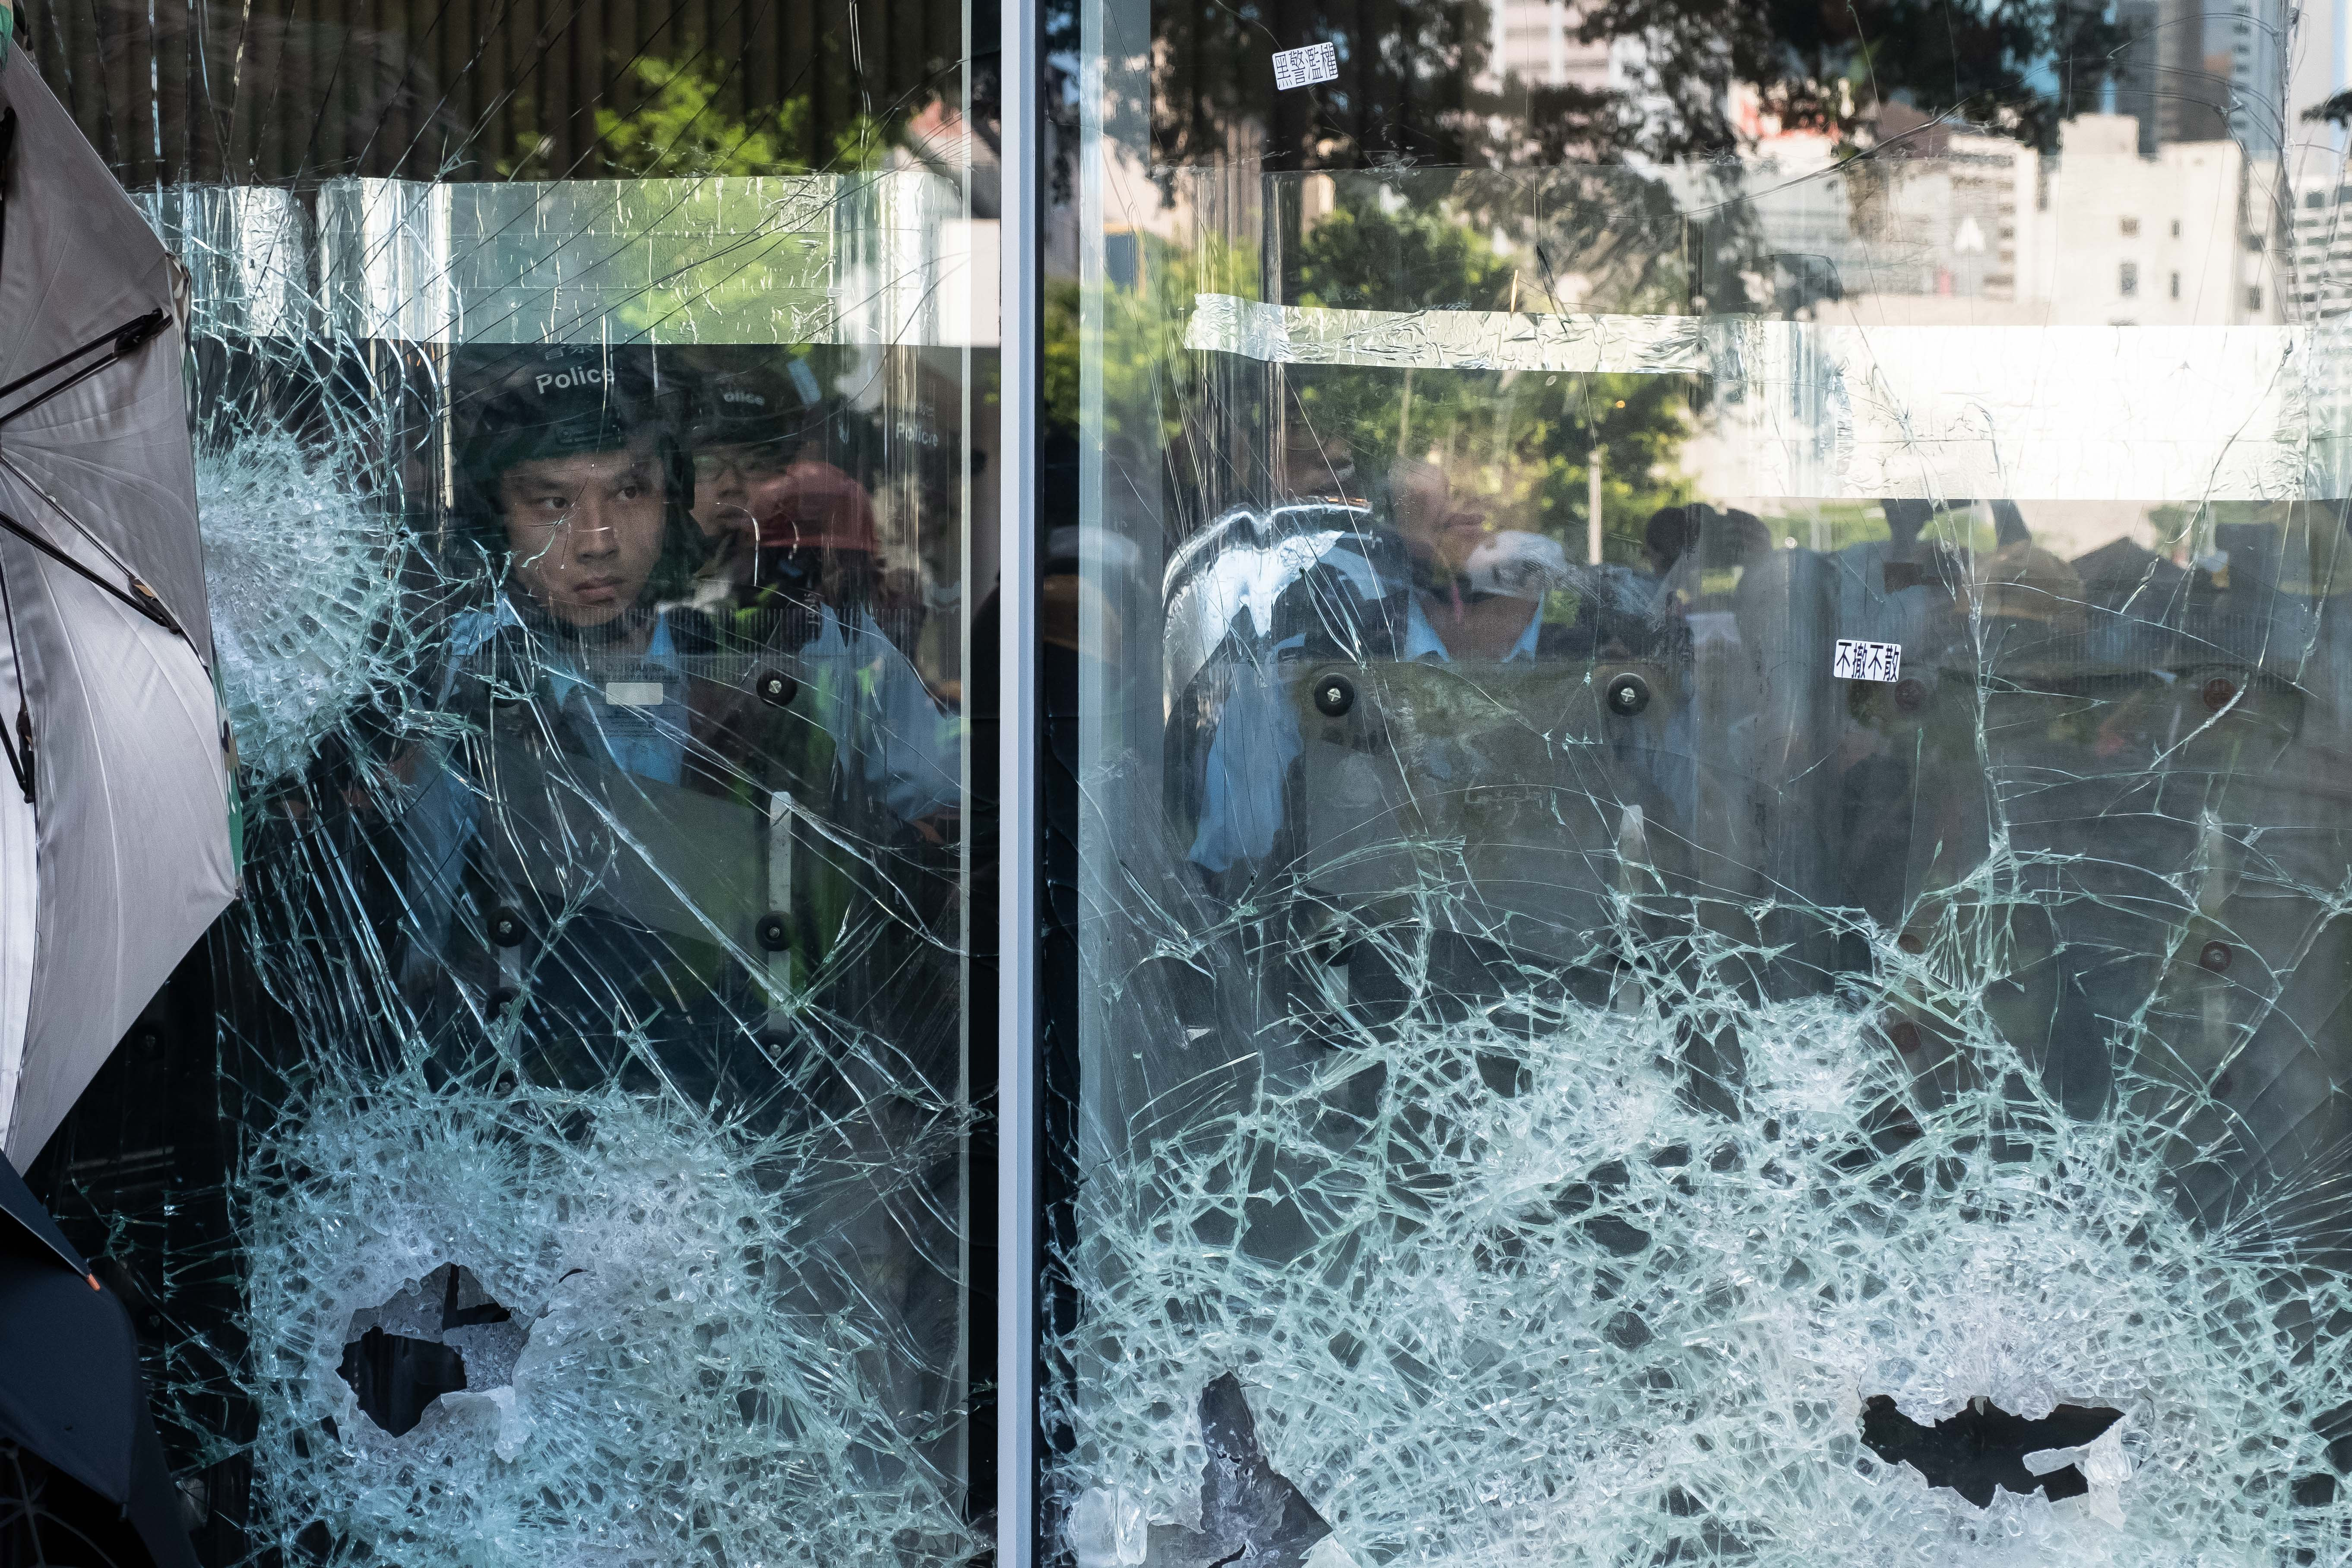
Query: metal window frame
point(1021, 317)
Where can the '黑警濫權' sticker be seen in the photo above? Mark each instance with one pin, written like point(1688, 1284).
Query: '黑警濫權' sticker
point(1305, 67)
point(1867, 661)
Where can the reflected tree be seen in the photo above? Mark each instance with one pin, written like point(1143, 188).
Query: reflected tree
point(1416, 82)
point(680, 126)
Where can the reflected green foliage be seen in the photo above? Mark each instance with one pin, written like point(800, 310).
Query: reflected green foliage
point(2023, 64)
point(1146, 374)
point(1413, 76)
point(1519, 443)
point(1369, 254)
point(1059, 374)
point(679, 126)
point(466, 89)
point(1519, 446)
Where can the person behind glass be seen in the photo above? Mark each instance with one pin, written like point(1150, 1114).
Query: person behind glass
point(748, 425)
point(1320, 470)
point(567, 682)
point(791, 578)
point(1670, 536)
point(1472, 593)
point(1478, 592)
point(575, 477)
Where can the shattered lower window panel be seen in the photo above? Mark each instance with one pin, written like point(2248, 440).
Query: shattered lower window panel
point(562, 1154)
point(1573, 1065)
point(649, 1352)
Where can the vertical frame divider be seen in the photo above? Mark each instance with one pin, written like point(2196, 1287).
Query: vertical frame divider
point(1019, 850)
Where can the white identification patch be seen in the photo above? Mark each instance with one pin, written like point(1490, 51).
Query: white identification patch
point(636, 693)
point(1867, 661)
point(1305, 67)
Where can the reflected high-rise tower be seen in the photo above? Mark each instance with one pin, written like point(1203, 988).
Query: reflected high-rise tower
point(2248, 42)
point(2180, 76)
point(2192, 83)
point(2135, 77)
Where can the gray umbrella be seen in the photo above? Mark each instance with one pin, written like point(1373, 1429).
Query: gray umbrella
point(115, 795)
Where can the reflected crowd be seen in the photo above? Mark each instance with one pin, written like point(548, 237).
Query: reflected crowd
point(1461, 765)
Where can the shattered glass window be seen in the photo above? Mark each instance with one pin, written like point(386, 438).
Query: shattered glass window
point(566, 1150)
point(1703, 871)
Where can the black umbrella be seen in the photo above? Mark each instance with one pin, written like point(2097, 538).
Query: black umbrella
point(82, 1478)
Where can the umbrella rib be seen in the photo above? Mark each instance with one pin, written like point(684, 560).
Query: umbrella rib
point(149, 607)
point(7, 148)
point(67, 385)
point(64, 359)
point(70, 521)
point(140, 596)
point(22, 766)
point(127, 339)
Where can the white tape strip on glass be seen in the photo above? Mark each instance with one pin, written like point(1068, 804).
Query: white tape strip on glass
point(891, 258)
point(2058, 413)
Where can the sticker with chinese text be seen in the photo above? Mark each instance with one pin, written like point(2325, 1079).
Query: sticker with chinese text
point(1305, 67)
point(1867, 661)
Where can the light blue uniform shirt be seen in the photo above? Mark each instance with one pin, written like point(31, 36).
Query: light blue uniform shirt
point(876, 706)
point(867, 696)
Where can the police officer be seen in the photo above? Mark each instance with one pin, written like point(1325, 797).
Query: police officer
point(749, 422)
point(576, 491)
point(789, 581)
point(538, 859)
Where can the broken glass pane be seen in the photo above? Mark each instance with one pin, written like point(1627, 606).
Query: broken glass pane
point(1710, 894)
point(563, 1152)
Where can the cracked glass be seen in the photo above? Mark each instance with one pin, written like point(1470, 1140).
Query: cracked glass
point(564, 1152)
point(1698, 729)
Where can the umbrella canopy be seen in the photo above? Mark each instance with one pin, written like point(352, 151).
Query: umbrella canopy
point(70, 1395)
point(114, 800)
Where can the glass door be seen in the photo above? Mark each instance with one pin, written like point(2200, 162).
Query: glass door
point(1700, 723)
point(567, 1151)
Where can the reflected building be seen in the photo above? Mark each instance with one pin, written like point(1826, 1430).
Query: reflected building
point(1969, 227)
point(2176, 240)
point(2135, 82)
point(2322, 256)
point(1950, 219)
point(1536, 41)
point(2250, 39)
point(2202, 71)
point(2170, 82)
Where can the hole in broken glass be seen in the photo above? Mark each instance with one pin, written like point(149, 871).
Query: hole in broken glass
point(1250, 1513)
point(1984, 1446)
point(445, 1334)
point(397, 1376)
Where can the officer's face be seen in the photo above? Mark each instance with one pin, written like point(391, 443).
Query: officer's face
point(1433, 528)
point(739, 486)
point(585, 530)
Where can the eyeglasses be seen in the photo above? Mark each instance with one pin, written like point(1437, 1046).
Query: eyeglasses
point(759, 463)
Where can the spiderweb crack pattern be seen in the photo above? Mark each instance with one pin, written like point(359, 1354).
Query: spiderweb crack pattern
point(1586, 1308)
point(666, 1404)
